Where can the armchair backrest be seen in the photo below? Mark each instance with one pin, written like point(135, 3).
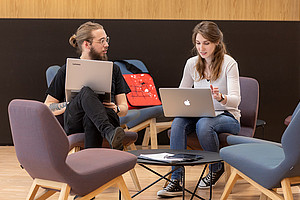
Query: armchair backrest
point(51, 72)
point(295, 111)
point(290, 143)
point(139, 64)
point(40, 142)
point(249, 104)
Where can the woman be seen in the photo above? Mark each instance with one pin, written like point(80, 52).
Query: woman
point(210, 68)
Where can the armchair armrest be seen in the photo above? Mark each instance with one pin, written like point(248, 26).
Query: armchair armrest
point(235, 139)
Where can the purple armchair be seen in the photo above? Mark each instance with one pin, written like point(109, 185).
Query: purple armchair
point(42, 149)
point(249, 111)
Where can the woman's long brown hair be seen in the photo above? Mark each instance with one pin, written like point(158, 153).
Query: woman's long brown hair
point(210, 31)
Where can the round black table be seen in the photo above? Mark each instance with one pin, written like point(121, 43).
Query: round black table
point(207, 158)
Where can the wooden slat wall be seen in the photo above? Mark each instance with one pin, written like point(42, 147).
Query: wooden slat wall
point(281, 10)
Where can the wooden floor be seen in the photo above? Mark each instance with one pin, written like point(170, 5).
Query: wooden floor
point(15, 182)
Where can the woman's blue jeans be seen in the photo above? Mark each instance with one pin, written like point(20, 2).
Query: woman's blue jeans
point(207, 129)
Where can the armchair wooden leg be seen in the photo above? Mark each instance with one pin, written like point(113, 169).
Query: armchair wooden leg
point(153, 134)
point(270, 193)
point(46, 194)
point(119, 181)
point(133, 172)
point(33, 190)
point(266, 194)
point(264, 197)
point(124, 190)
point(135, 179)
point(52, 185)
point(75, 149)
point(146, 138)
point(227, 171)
point(64, 192)
point(229, 185)
point(286, 188)
point(133, 147)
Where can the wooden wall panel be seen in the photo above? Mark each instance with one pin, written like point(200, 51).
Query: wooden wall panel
point(279, 10)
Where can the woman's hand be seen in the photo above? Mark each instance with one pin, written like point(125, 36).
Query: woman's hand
point(215, 92)
point(217, 95)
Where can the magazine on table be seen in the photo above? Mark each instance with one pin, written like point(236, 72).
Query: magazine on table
point(170, 157)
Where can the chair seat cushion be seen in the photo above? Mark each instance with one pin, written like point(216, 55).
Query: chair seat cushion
point(145, 114)
point(257, 161)
point(92, 168)
point(76, 140)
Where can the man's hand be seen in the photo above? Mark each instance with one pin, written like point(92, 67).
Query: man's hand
point(110, 105)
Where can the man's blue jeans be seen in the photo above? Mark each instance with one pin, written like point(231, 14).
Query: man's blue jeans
point(207, 129)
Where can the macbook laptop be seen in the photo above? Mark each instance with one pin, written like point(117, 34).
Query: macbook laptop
point(187, 102)
point(93, 73)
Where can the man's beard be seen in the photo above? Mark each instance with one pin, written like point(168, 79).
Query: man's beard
point(96, 56)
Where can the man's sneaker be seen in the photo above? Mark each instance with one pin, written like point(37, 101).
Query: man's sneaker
point(205, 182)
point(172, 190)
point(117, 138)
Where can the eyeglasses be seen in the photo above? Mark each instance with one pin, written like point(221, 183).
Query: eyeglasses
point(102, 40)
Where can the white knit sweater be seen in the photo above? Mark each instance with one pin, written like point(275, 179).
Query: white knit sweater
point(228, 83)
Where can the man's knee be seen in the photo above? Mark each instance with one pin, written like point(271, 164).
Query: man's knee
point(86, 90)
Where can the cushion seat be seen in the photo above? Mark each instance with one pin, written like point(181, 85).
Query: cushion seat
point(265, 158)
point(145, 114)
point(76, 140)
point(93, 168)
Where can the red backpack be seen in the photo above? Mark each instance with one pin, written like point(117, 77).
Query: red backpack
point(143, 92)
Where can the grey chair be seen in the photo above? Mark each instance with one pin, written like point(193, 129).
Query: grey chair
point(50, 73)
point(266, 165)
point(236, 139)
point(42, 149)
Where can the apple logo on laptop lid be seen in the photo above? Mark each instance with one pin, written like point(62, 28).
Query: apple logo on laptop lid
point(187, 102)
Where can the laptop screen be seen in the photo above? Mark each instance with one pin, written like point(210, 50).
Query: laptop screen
point(187, 102)
point(92, 73)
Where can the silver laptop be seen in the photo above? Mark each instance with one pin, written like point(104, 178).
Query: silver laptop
point(93, 73)
point(187, 102)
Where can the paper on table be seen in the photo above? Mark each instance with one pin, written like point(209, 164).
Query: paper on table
point(171, 158)
point(160, 157)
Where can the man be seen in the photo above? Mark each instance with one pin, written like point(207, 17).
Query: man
point(85, 112)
